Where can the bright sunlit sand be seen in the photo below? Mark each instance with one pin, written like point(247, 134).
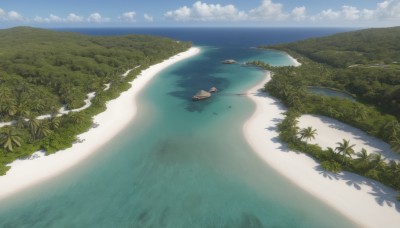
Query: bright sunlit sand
point(119, 113)
point(366, 202)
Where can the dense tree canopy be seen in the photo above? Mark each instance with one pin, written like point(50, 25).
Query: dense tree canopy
point(42, 71)
point(365, 63)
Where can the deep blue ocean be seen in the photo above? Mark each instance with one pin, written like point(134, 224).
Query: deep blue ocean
point(226, 37)
point(182, 163)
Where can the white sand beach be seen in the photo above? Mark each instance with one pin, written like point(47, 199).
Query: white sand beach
point(366, 202)
point(25, 173)
point(331, 131)
point(294, 61)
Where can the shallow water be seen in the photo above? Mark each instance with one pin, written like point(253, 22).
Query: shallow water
point(179, 164)
point(331, 93)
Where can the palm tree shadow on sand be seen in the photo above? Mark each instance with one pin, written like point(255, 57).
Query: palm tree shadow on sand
point(382, 194)
point(354, 180)
point(327, 174)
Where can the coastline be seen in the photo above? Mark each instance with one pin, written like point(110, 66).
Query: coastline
point(365, 202)
point(26, 173)
point(295, 63)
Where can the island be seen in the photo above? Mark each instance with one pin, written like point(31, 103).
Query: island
point(361, 64)
point(50, 92)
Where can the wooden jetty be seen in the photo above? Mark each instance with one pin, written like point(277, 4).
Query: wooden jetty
point(229, 61)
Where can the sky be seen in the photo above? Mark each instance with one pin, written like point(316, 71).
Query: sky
point(204, 13)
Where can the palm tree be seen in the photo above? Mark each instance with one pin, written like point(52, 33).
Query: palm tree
point(332, 153)
point(32, 123)
point(42, 129)
point(391, 129)
point(307, 133)
point(76, 117)
point(359, 112)
point(20, 122)
point(345, 149)
point(9, 107)
point(333, 113)
point(395, 144)
point(294, 100)
point(5, 93)
point(38, 105)
point(394, 167)
point(379, 162)
point(8, 139)
point(363, 157)
point(54, 122)
point(363, 160)
point(290, 120)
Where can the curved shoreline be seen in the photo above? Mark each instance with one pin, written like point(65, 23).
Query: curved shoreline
point(119, 113)
point(366, 202)
point(331, 131)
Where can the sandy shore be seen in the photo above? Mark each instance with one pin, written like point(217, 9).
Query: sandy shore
point(294, 61)
point(331, 131)
point(25, 173)
point(366, 202)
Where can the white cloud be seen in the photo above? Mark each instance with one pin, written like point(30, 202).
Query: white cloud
point(389, 9)
point(148, 18)
point(299, 13)
point(328, 15)
point(350, 13)
point(71, 18)
point(74, 18)
point(39, 19)
point(181, 14)
point(51, 19)
point(206, 12)
point(55, 18)
point(97, 18)
point(387, 12)
point(268, 11)
point(384, 11)
point(367, 14)
point(11, 16)
point(14, 16)
point(128, 16)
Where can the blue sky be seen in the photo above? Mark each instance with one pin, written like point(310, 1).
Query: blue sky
point(137, 13)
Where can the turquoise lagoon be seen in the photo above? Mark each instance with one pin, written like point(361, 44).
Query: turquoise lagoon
point(179, 163)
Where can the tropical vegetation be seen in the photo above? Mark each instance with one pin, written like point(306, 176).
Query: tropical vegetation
point(42, 71)
point(364, 64)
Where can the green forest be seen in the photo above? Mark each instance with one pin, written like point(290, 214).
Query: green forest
point(364, 64)
point(43, 70)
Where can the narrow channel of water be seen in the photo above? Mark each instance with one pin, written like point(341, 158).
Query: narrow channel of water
point(331, 93)
point(179, 164)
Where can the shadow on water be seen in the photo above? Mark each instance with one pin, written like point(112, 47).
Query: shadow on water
point(199, 78)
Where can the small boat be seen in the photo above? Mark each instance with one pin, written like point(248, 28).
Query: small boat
point(201, 95)
point(229, 61)
point(213, 90)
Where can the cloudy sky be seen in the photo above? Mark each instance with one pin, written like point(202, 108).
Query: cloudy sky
point(136, 13)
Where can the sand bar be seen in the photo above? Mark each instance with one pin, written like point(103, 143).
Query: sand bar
point(366, 202)
point(120, 112)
